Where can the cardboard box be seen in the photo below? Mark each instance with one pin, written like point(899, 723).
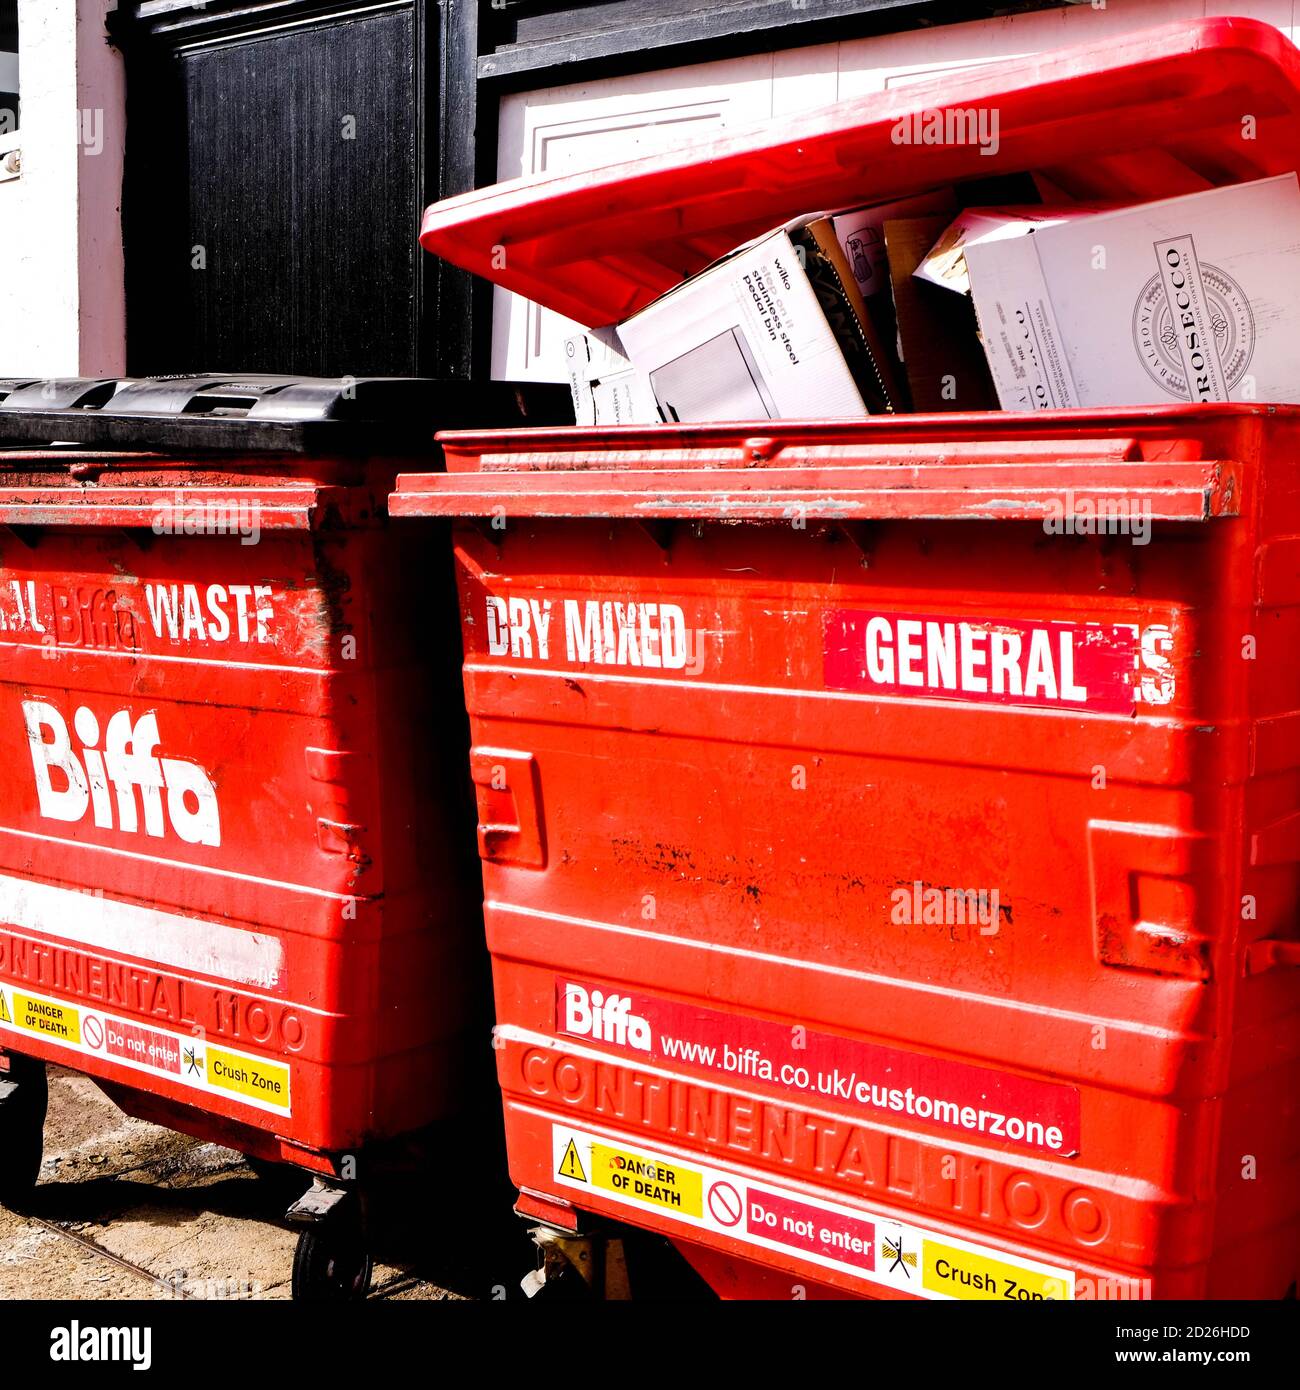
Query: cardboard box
point(777, 329)
point(606, 388)
point(937, 337)
point(1193, 298)
point(945, 263)
point(861, 234)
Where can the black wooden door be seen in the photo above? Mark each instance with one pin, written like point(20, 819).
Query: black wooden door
point(274, 185)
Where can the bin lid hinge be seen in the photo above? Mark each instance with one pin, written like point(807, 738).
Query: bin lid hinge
point(29, 537)
point(489, 529)
point(859, 536)
point(660, 530)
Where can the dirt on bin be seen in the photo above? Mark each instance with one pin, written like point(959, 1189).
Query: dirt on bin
point(127, 1210)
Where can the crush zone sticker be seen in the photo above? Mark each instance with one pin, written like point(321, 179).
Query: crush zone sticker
point(191, 1061)
point(864, 1245)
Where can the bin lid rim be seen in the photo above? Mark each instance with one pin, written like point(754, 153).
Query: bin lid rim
point(987, 424)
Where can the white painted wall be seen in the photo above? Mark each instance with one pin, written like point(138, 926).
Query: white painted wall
point(62, 307)
point(589, 124)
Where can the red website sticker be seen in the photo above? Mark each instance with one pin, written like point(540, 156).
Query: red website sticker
point(1035, 1116)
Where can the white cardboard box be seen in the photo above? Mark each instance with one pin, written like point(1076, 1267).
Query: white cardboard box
point(606, 388)
point(1195, 298)
point(945, 264)
point(745, 339)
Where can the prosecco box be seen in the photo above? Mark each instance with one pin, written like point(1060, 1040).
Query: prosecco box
point(1194, 298)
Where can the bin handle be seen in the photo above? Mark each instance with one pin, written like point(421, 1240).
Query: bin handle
point(1270, 953)
point(1147, 882)
point(509, 797)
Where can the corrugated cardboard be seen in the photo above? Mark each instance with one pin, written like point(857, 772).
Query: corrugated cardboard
point(945, 263)
point(937, 338)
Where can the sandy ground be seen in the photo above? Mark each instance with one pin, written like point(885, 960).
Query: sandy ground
point(197, 1219)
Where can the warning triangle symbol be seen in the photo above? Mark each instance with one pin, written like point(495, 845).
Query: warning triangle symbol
point(571, 1164)
point(4, 1009)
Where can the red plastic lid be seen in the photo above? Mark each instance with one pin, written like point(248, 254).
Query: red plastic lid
point(1163, 111)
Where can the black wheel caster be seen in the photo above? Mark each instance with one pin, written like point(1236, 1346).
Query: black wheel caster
point(332, 1262)
point(24, 1096)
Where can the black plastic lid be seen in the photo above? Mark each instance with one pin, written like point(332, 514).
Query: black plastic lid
point(275, 414)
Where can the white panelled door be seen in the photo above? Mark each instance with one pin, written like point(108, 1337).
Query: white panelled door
point(591, 124)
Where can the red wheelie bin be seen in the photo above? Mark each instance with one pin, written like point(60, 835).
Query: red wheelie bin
point(237, 878)
point(758, 709)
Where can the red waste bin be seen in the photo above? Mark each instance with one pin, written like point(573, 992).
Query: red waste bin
point(888, 894)
point(232, 880)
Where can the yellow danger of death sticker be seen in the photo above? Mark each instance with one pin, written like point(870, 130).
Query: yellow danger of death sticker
point(59, 1022)
point(964, 1274)
point(653, 1181)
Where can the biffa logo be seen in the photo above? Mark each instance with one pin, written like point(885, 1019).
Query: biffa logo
point(127, 763)
point(604, 1018)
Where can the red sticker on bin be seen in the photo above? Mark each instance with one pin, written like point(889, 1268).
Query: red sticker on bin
point(143, 1045)
point(887, 1082)
point(810, 1229)
point(1102, 667)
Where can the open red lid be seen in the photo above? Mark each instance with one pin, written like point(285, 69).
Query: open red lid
point(1149, 115)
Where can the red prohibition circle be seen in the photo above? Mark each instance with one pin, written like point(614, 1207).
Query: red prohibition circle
point(725, 1205)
